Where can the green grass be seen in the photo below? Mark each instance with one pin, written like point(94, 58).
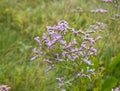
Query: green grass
point(22, 20)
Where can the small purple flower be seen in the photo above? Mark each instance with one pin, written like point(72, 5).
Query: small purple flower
point(95, 27)
point(63, 42)
point(93, 50)
point(87, 61)
point(99, 11)
point(74, 50)
point(92, 71)
point(58, 58)
point(48, 69)
point(69, 57)
point(37, 40)
point(35, 50)
point(33, 58)
point(5, 88)
point(90, 31)
point(102, 25)
point(78, 74)
point(48, 61)
point(77, 32)
point(73, 43)
point(87, 35)
point(116, 89)
point(60, 80)
point(64, 53)
point(74, 56)
point(107, 1)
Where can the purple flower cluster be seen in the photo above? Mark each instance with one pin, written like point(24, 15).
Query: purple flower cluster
point(116, 89)
point(4, 88)
point(87, 74)
point(61, 44)
point(107, 1)
point(99, 11)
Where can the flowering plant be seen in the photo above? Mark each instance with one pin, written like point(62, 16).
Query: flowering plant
point(69, 51)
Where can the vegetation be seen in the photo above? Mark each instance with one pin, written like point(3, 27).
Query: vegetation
point(22, 20)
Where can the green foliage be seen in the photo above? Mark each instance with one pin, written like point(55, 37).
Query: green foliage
point(109, 83)
point(22, 20)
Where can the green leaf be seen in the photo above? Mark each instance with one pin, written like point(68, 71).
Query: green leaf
point(95, 62)
point(109, 83)
point(115, 62)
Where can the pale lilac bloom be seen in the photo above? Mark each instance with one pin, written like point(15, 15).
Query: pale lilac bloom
point(83, 45)
point(90, 53)
point(80, 53)
point(69, 57)
point(60, 81)
point(102, 25)
point(74, 56)
point(63, 42)
point(93, 50)
point(77, 32)
point(58, 58)
point(37, 40)
point(53, 42)
point(90, 31)
point(48, 61)
point(91, 40)
point(74, 50)
point(35, 50)
point(4, 88)
point(80, 31)
point(116, 89)
point(94, 27)
point(64, 53)
point(99, 11)
point(87, 35)
point(61, 84)
point(63, 26)
point(88, 76)
point(83, 74)
point(92, 71)
point(33, 58)
point(107, 1)
point(87, 61)
point(79, 74)
point(73, 43)
point(44, 37)
point(48, 69)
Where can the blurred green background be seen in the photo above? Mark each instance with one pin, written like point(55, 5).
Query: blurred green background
point(22, 20)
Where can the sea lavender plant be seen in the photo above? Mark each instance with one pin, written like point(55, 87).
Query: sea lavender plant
point(63, 46)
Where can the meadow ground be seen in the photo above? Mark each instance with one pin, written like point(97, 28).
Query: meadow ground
point(22, 20)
